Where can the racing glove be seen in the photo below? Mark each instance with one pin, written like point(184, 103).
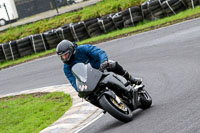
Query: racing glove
point(104, 65)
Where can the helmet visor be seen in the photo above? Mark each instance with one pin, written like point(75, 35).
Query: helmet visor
point(66, 56)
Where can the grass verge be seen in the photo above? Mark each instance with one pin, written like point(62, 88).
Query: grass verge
point(33, 112)
point(142, 27)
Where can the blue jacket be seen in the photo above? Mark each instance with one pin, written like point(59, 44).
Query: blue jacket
point(85, 54)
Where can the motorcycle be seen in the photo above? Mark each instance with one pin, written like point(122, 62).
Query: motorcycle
point(104, 90)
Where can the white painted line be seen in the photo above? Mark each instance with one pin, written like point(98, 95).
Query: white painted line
point(89, 123)
point(57, 127)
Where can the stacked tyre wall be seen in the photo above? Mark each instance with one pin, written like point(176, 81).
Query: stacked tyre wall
point(149, 10)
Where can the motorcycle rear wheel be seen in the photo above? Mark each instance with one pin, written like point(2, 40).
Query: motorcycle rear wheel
point(121, 111)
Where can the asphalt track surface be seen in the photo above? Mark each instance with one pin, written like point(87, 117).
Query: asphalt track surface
point(167, 59)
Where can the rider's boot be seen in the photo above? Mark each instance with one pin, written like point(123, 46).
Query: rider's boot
point(131, 93)
point(136, 81)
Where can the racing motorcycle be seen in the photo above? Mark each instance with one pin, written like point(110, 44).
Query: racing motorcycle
point(104, 90)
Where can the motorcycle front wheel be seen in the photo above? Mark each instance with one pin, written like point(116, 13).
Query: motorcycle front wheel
point(120, 111)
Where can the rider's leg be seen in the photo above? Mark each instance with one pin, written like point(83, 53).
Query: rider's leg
point(118, 69)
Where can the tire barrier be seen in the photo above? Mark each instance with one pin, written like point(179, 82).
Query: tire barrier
point(51, 39)
point(38, 43)
point(117, 20)
point(192, 3)
point(106, 24)
point(149, 10)
point(79, 31)
point(132, 16)
point(173, 7)
point(152, 9)
point(93, 27)
point(64, 32)
point(24, 46)
point(10, 50)
point(2, 55)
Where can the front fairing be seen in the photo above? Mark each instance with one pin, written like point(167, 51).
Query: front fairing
point(87, 78)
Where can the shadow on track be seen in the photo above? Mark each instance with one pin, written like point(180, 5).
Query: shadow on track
point(117, 123)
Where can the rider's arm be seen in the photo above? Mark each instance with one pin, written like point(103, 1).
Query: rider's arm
point(70, 76)
point(96, 52)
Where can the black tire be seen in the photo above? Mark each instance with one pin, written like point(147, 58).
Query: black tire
point(189, 3)
point(39, 46)
point(133, 9)
point(180, 10)
point(25, 53)
point(117, 18)
point(158, 13)
point(51, 39)
point(11, 50)
point(120, 24)
point(145, 99)
point(177, 5)
point(66, 33)
point(10, 57)
point(144, 5)
point(157, 10)
point(1, 53)
point(78, 25)
point(24, 45)
point(70, 38)
point(111, 29)
point(107, 26)
point(79, 34)
point(145, 11)
point(151, 8)
point(93, 25)
point(133, 15)
point(112, 109)
point(83, 38)
point(25, 48)
point(107, 20)
point(38, 41)
point(96, 33)
point(155, 2)
point(93, 30)
point(90, 21)
point(80, 29)
point(2, 56)
point(170, 2)
point(40, 49)
point(135, 20)
point(24, 42)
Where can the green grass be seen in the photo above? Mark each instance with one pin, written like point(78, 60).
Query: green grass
point(31, 114)
point(102, 8)
point(142, 27)
point(108, 6)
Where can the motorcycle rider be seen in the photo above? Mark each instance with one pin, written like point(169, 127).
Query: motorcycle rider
point(70, 53)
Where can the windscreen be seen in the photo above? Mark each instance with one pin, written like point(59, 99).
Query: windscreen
point(80, 72)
